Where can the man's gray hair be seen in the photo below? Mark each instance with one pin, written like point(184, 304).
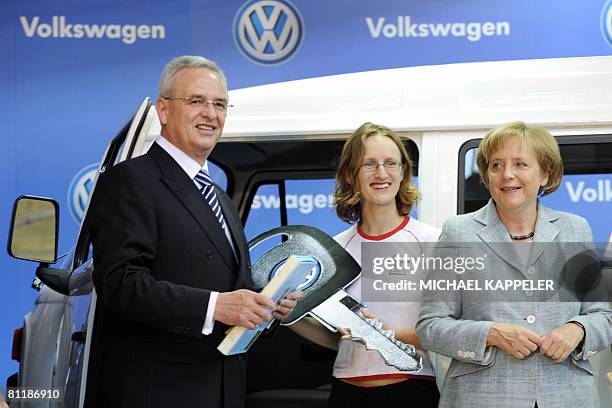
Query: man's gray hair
point(182, 62)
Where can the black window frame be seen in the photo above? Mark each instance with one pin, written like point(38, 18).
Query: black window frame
point(562, 140)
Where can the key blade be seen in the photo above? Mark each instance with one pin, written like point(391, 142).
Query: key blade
point(342, 310)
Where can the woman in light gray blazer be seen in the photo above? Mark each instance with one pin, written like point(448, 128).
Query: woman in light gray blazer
point(525, 352)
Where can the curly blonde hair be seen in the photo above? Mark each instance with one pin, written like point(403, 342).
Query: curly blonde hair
point(348, 200)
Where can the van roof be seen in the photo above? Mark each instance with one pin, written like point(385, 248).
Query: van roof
point(550, 92)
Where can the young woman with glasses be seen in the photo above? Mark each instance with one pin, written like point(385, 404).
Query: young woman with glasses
point(374, 192)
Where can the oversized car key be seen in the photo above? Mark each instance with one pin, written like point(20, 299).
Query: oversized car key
point(343, 310)
point(324, 298)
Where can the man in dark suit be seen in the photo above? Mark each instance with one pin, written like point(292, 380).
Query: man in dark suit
point(171, 262)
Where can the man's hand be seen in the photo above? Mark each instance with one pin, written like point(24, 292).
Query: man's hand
point(560, 342)
point(287, 304)
point(243, 307)
point(513, 339)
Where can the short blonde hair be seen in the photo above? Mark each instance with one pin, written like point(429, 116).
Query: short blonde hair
point(537, 138)
point(348, 204)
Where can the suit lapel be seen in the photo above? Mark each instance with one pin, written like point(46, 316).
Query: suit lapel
point(545, 232)
point(187, 193)
point(496, 237)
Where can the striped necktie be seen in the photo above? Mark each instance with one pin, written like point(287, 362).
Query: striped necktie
point(208, 192)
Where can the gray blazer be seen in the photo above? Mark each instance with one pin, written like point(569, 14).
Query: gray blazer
point(458, 326)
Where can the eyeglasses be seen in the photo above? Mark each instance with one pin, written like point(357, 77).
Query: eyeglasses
point(389, 165)
point(219, 105)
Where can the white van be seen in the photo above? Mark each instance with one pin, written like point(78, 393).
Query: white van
point(284, 140)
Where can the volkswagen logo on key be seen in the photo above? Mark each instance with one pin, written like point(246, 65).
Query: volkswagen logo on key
point(310, 280)
point(80, 190)
point(268, 32)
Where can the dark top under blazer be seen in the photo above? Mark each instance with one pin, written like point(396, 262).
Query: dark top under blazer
point(158, 253)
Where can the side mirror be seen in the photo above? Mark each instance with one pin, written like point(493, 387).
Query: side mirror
point(34, 229)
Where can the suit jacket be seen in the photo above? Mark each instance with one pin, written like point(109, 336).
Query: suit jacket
point(458, 326)
point(158, 253)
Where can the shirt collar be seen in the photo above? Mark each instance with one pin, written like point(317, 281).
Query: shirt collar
point(189, 165)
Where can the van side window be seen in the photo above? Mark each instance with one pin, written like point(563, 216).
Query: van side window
point(311, 202)
point(217, 175)
point(585, 190)
point(264, 215)
point(308, 202)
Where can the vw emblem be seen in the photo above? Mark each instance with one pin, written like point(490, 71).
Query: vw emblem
point(311, 278)
point(606, 22)
point(268, 32)
point(80, 190)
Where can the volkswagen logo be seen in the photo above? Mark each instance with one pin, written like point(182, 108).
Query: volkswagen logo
point(80, 190)
point(606, 22)
point(268, 32)
point(311, 278)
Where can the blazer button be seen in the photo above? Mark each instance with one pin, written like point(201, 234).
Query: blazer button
point(531, 319)
point(209, 254)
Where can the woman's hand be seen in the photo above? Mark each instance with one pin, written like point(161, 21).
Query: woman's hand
point(345, 333)
point(513, 339)
point(560, 342)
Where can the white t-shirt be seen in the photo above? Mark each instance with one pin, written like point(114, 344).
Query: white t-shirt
point(353, 360)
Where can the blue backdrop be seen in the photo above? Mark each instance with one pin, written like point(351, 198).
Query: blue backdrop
point(73, 72)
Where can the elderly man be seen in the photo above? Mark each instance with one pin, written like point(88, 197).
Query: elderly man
point(172, 261)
